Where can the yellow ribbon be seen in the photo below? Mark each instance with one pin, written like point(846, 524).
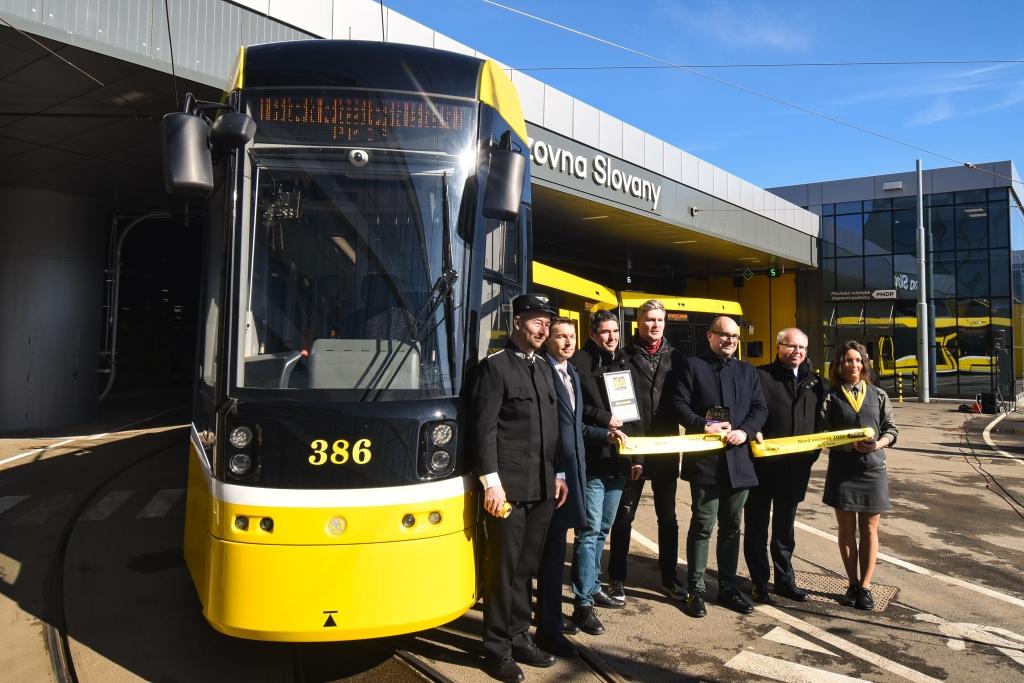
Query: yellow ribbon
point(691, 443)
point(809, 442)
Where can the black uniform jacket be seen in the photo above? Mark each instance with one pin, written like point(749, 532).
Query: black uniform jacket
point(656, 417)
point(514, 422)
point(792, 410)
point(709, 380)
point(603, 459)
point(572, 435)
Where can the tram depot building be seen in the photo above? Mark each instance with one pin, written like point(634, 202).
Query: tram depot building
point(611, 204)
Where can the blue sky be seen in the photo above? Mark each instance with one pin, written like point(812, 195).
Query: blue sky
point(970, 112)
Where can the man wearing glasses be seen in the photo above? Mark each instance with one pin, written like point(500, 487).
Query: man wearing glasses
point(717, 394)
point(793, 392)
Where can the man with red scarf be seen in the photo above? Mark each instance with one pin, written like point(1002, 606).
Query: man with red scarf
point(649, 359)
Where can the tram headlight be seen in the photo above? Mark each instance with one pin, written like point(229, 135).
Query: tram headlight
point(240, 464)
point(440, 461)
point(441, 434)
point(240, 437)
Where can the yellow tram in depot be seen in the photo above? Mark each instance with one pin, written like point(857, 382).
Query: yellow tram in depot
point(366, 228)
point(687, 319)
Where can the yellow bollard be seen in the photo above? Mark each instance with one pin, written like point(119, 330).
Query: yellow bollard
point(899, 386)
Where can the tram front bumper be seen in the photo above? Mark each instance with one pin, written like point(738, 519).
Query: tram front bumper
point(339, 592)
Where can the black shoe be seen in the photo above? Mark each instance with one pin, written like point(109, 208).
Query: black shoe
point(568, 627)
point(586, 619)
point(864, 599)
point(760, 594)
point(850, 599)
point(616, 591)
point(602, 599)
point(792, 591)
point(504, 670)
point(557, 644)
point(731, 598)
point(695, 605)
point(674, 589)
point(531, 655)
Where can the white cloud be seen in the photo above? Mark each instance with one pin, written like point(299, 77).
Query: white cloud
point(746, 26)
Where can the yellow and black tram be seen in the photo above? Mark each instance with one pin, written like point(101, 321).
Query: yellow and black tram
point(687, 319)
point(367, 226)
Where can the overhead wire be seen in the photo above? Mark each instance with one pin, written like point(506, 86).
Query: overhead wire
point(777, 65)
point(749, 91)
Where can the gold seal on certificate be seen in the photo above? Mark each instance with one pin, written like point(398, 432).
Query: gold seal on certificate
point(621, 398)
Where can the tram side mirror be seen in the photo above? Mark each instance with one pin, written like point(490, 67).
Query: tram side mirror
point(504, 190)
point(232, 130)
point(188, 167)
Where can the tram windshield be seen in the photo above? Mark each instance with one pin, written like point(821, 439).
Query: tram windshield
point(346, 287)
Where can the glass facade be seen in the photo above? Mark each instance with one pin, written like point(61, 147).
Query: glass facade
point(975, 283)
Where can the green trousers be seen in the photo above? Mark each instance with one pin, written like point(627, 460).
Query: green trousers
point(708, 503)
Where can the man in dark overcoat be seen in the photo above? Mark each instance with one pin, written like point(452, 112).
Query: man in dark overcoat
point(649, 357)
point(793, 392)
point(570, 510)
point(513, 412)
point(717, 394)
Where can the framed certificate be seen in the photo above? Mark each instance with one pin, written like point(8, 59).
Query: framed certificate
point(621, 397)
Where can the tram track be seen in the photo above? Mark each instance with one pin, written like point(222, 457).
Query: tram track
point(57, 640)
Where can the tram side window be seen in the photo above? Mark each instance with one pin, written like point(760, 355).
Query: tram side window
point(500, 253)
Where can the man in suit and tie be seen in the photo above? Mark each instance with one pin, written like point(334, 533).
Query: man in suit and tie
point(513, 415)
point(570, 511)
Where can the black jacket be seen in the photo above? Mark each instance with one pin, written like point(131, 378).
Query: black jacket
point(709, 380)
point(573, 435)
point(603, 459)
point(656, 417)
point(792, 410)
point(514, 422)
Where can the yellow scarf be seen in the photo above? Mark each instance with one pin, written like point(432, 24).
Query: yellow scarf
point(856, 401)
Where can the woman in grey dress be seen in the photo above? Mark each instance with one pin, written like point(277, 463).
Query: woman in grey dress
point(856, 484)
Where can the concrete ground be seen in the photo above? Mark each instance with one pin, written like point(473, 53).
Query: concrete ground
point(952, 551)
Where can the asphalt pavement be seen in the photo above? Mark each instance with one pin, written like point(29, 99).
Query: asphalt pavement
point(952, 550)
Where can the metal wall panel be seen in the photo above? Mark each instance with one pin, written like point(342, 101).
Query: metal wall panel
point(632, 144)
point(654, 154)
point(357, 20)
point(315, 17)
point(557, 111)
point(402, 29)
point(443, 42)
point(611, 134)
point(531, 96)
point(586, 124)
point(672, 163)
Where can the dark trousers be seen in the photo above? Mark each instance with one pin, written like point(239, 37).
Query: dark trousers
point(549, 580)
point(513, 553)
point(664, 489)
point(711, 502)
point(755, 540)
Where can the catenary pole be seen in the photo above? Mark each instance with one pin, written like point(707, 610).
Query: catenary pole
point(923, 373)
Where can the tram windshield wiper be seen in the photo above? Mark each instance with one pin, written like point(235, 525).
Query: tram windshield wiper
point(442, 291)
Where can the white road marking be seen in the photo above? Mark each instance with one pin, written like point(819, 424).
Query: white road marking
point(42, 512)
point(781, 670)
point(160, 503)
point(917, 569)
point(1005, 641)
point(122, 428)
point(986, 434)
point(821, 634)
point(34, 451)
point(107, 505)
point(784, 637)
point(845, 645)
point(7, 502)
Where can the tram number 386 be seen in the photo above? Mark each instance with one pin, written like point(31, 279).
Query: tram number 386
point(340, 452)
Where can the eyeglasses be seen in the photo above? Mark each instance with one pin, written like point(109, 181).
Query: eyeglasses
point(794, 347)
point(726, 337)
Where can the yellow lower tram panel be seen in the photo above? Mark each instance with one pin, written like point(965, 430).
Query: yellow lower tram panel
point(316, 588)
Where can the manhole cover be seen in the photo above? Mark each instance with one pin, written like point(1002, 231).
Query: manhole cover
point(830, 589)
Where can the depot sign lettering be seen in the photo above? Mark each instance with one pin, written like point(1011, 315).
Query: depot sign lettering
point(599, 168)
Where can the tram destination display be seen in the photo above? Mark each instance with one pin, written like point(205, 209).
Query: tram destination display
point(363, 118)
